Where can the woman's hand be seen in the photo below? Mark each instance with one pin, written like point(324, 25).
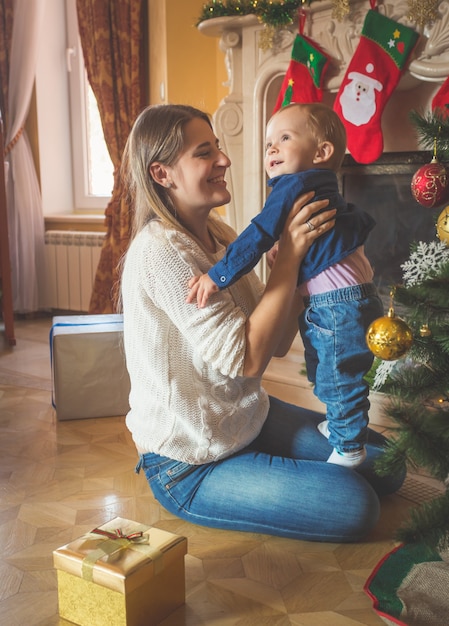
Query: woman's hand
point(304, 226)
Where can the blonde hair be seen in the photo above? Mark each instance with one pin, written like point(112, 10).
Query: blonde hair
point(158, 135)
point(325, 125)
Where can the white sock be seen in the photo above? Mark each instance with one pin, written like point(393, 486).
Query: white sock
point(347, 459)
point(323, 427)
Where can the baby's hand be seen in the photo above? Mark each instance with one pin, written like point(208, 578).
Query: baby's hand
point(201, 288)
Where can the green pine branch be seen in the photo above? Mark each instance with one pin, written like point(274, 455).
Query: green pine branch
point(432, 294)
point(420, 438)
point(271, 13)
point(432, 127)
point(428, 524)
point(443, 340)
point(409, 381)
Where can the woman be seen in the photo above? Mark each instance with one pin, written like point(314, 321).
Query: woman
point(216, 450)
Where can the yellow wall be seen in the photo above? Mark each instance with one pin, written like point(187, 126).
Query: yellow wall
point(157, 50)
point(190, 65)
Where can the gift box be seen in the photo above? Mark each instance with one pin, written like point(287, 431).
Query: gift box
point(89, 372)
point(121, 574)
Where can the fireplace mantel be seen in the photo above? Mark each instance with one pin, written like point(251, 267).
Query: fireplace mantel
point(255, 77)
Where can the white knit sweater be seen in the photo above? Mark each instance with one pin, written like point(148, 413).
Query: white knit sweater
point(188, 399)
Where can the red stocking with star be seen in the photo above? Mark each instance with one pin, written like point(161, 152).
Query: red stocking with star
point(371, 77)
point(304, 77)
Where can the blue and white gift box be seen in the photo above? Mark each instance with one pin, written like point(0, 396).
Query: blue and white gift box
point(89, 374)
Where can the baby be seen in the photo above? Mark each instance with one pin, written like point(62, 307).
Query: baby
point(305, 146)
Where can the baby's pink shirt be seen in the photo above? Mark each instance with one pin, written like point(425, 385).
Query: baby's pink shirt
point(354, 269)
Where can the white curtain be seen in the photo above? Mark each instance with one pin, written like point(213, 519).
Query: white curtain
point(25, 218)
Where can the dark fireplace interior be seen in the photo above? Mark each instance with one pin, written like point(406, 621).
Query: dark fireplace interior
point(383, 190)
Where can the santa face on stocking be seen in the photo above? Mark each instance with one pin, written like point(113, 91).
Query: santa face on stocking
point(362, 97)
point(358, 98)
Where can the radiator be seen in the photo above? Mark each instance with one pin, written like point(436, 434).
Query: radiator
point(71, 259)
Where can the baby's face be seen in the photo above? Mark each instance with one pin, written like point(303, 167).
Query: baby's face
point(289, 146)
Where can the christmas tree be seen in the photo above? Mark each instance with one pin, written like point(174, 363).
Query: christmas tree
point(433, 130)
point(418, 383)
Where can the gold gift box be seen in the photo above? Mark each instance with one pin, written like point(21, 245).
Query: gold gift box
point(134, 579)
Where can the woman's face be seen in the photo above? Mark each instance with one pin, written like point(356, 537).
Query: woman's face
point(198, 175)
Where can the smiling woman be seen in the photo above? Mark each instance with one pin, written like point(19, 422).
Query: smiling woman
point(207, 434)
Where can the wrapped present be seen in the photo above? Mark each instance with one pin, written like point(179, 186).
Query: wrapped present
point(121, 574)
point(89, 372)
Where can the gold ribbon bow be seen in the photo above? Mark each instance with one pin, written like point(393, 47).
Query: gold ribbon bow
point(118, 534)
point(115, 542)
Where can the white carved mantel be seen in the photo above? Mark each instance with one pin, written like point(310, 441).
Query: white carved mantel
point(255, 77)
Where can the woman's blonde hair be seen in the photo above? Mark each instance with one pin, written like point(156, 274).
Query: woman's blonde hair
point(158, 136)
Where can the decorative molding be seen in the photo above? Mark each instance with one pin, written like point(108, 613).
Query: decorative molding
point(340, 39)
point(432, 62)
point(253, 74)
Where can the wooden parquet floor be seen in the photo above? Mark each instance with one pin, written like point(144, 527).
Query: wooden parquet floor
point(59, 480)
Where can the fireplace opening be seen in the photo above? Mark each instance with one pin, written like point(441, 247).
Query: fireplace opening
point(383, 190)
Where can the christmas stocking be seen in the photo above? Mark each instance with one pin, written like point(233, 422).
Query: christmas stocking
point(304, 78)
point(371, 77)
point(441, 99)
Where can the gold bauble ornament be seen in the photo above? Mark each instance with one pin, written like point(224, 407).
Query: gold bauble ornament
point(425, 331)
point(442, 225)
point(389, 337)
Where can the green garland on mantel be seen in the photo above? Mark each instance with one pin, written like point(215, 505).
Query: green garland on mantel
point(271, 13)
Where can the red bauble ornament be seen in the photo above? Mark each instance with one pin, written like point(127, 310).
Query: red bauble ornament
point(430, 184)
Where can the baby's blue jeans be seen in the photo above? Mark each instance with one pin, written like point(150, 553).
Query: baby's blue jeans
point(333, 329)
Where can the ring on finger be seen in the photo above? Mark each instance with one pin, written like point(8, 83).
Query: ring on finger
point(310, 225)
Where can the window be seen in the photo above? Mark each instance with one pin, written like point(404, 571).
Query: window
point(92, 167)
point(99, 165)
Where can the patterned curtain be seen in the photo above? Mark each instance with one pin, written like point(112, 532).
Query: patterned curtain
point(113, 36)
point(6, 20)
point(24, 203)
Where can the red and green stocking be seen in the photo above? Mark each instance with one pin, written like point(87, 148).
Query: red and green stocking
point(304, 78)
point(371, 77)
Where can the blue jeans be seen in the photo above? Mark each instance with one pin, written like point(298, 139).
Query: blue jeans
point(279, 485)
point(333, 329)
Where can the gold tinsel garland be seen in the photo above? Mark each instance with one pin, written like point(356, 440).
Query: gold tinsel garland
point(423, 12)
point(274, 14)
point(267, 38)
point(341, 9)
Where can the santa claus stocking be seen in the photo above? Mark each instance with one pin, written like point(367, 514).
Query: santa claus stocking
point(371, 77)
point(304, 78)
point(440, 102)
